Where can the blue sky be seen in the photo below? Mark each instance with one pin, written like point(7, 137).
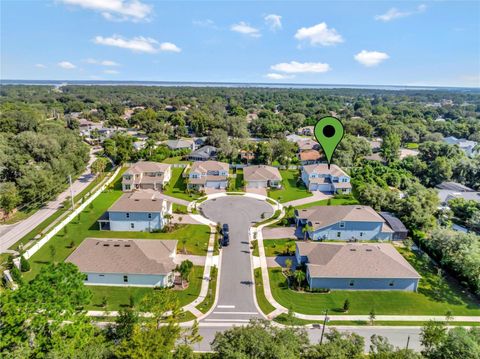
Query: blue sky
point(324, 42)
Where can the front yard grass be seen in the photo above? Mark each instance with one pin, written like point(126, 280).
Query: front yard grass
point(193, 236)
point(262, 301)
point(276, 214)
point(207, 303)
point(175, 160)
point(292, 188)
point(178, 185)
point(119, 297)
point(277, 247)
point(238, 181)
point(434, 296)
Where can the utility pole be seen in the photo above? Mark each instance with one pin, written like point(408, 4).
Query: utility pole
point(71, 191)
point(324, 324)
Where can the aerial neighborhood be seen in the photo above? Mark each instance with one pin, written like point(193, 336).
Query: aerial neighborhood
point(197, 211)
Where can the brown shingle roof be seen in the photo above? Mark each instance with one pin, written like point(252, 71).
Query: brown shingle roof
point(309, 155)
point(261, 173)
point(147, 166)
point(146, 200)
point(323, 216)
point(355, 260)
point(140, 256)
point(205, 166)
point(322, 168)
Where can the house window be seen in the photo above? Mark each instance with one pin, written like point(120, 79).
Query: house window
point(85, 278)
point(149, 216)
point(127, 215)
point(125, 278)
point(391, 284)
point(101, 275)
point(342, 224)
point(339, 234)
point(127, 187)
point(361, 234)
point(132, 225)
point(352, 283)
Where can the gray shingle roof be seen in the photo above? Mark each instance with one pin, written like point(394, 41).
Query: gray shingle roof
point(261, 173)
point(145, 200)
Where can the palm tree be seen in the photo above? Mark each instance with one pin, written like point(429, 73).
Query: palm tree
point(185, 268)
point(306, 228)
point(288, 265)
point(299, 277)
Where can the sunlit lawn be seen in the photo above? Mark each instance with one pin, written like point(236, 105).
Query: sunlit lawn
point(119, 297)
point(433, 297)
point(178, 185)
point(291, 190)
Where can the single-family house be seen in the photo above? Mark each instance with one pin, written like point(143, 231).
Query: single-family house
point(204, 153)
point(139, 211)
point(262, 176)
point(181, 144)
point(469, 147)
point(451, 190)
point(318, 177)
point(343, 223)
point(208, 174)
point(356, 266)
point(146, 175)
point(126, 262)
point(247, 156)
point(308, 144)
point(306, 131)
point(309, 157)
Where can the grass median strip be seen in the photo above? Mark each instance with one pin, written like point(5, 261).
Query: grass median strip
point(207, 303)
point(262, 301)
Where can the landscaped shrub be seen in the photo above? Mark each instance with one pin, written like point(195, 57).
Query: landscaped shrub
point(24, 264)
point(16, 275)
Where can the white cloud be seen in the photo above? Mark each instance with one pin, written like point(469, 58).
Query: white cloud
point(205, 23)
point(394, 13)
point(111, 72)
point(273, 21)
point(371, 58)
point(246, 29)
point(276, 76)
point(319, 34)
point(66, 65)
point(168, 46)
point(137, 44)
point(40, 66)
point(115, 10)
point(102, 62)
point(298, 67)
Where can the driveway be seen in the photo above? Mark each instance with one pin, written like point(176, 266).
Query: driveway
point(281, 232)
point(236, 292)
point(186, 219)
point(196, 260)
point(260, 191)
point(317, 196)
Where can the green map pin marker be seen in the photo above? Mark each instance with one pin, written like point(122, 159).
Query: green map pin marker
point(329, 132)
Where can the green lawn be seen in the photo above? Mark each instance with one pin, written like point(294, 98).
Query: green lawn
point(332, 201)
point(412, 146)
point(237, 184)
point(118, 297)
point(178, 185)
point(292, 189)
point(427, 301)
point(195, 236)
point(276, 214)
point(262, 301)
point(276, 247)
point(177, 159)
point(179, 208)
point(207, 303)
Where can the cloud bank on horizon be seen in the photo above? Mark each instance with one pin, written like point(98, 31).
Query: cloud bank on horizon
point(247, 42)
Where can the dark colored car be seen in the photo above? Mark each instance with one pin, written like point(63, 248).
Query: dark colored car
point(225, 240)
point(225, 229)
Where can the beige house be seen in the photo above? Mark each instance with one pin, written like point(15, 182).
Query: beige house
point(146, 175)
point(208, 174)
point(126, 262)
point(318, 177)
point(262, 176)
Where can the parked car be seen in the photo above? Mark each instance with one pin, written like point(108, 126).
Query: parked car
point(225, 229)
point(225, 240)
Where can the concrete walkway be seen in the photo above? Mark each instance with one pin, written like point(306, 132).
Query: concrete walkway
point(173, 199)
point(186, 219)
point(196, 260)
point(317, 196)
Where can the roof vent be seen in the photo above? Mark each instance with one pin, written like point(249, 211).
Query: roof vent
point(353, 250)
point(136, 200)
point(106, 245)
point(369, 249)
point(127, 245)
point(116, 245)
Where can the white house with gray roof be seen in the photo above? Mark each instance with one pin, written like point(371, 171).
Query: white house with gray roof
point(146, 175)
point(126, 262)
point(343, 223)
point(318, 177)
point(467, 146)
point(356, 266)
point(181, 144)
point(138, 211)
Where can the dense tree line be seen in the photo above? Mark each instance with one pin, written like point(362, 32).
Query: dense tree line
point(37, 154)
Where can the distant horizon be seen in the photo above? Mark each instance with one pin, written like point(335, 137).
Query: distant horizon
point(391, 87)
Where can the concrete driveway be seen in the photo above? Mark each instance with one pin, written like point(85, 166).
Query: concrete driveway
point(260, 191)
point(281, 232)
point(236, 292)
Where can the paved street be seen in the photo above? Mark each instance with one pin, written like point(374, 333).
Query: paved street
point(397, 336)
point(236, 296)
point(19, 230)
